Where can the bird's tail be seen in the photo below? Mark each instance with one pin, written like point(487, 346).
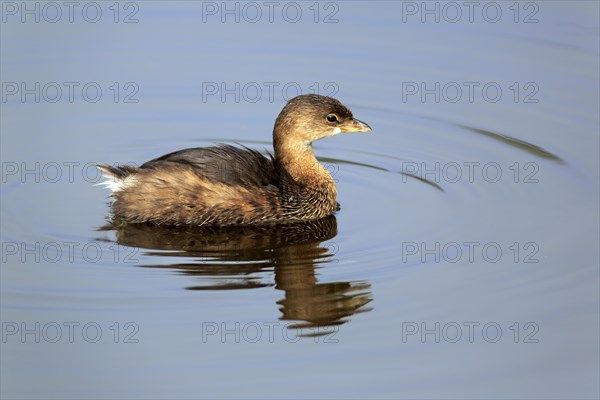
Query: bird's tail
point(117, 178)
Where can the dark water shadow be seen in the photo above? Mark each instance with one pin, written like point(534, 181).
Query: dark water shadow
point(234, 258)
point(509, 140)
point(336, 161)
point(517, 143)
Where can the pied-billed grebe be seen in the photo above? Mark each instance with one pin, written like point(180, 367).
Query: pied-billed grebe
point(226, 185)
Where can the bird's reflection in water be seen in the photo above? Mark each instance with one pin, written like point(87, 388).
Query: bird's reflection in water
point(244, 258)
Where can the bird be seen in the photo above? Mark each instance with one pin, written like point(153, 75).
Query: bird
point(226, 185)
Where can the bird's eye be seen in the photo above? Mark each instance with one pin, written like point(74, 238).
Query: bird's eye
point(332, 118)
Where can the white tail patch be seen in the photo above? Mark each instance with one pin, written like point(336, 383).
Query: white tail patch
point(114, 183)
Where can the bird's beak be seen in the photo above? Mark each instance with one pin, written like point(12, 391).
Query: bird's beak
point(356, 126)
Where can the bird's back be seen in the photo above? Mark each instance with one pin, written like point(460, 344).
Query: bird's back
point(223, 164)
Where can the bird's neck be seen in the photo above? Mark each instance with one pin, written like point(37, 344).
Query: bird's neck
point(298, 159)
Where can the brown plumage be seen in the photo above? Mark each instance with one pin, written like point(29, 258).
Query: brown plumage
point(227, 185)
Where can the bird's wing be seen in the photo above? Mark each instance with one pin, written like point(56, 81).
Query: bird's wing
point(223, 164)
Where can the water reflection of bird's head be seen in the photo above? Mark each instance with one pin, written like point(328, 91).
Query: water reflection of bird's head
point(244, 257)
